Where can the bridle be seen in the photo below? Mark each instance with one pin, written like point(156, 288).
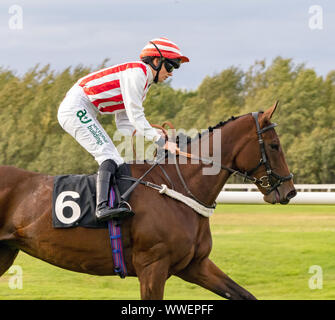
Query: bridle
point(272, 180)
point(269, 182)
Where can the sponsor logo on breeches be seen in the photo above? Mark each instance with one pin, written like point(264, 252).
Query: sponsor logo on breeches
point(92, 128)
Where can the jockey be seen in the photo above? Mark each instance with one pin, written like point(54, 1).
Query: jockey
point(119, 90)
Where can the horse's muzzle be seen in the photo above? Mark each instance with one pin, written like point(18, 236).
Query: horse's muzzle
point(280, 196)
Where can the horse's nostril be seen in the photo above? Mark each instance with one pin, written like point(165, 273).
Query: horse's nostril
point(291, 194)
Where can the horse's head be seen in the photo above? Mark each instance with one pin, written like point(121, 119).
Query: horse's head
point(262, 158)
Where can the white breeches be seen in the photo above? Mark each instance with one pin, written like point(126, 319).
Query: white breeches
point(78, 116)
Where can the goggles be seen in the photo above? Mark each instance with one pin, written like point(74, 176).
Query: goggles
point(171, 64)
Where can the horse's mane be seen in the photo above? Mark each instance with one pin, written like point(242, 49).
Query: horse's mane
point(182, 137)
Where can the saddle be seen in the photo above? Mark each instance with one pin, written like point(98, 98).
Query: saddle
point(74, 199)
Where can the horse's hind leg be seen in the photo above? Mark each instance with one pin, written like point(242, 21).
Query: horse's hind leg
point(7, 257)
point(206, 274)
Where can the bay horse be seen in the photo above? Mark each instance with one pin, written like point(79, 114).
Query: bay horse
point(165, 237)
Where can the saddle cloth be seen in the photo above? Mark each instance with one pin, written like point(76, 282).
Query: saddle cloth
point(74, 199)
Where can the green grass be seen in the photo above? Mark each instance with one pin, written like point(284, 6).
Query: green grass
point(266, 249)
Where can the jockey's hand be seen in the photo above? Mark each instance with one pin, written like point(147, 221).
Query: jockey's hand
point(172, 147)
point(168, 145)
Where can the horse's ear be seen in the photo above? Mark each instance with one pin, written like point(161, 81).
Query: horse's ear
point(269, 112)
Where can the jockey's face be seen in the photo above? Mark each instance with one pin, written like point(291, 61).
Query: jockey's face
point(163, 74)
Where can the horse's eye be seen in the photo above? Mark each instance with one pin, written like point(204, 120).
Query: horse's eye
point(274, 146)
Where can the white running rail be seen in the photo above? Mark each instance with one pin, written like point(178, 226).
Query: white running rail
point(307, 194)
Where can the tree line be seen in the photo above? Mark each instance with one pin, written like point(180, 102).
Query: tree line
point(31, 138)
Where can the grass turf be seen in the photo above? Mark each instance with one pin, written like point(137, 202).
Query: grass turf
point(266, 249)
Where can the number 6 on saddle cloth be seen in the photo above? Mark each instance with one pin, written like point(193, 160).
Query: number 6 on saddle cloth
point(74, 199)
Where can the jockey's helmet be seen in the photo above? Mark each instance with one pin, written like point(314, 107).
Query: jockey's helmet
point(167, 52)
point(163, 47)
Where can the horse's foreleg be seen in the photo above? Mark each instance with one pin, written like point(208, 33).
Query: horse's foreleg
point(206, 274)
point(152, 279)
point(7, 257)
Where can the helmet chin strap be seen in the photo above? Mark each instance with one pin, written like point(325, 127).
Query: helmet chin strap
point(160, 63)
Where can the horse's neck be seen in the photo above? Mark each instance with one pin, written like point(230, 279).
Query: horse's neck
point(221, 146)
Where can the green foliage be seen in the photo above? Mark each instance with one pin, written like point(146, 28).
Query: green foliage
point(313, 156)
point(31, 138)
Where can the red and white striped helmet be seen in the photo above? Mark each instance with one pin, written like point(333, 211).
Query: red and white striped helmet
point(168, 49)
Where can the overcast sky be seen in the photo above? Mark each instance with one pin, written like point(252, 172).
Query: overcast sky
point(214, 34)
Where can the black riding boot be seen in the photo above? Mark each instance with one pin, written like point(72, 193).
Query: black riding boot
point(103, 211)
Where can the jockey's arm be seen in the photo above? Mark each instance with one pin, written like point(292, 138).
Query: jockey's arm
point(132, 87)
point(132, 83)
